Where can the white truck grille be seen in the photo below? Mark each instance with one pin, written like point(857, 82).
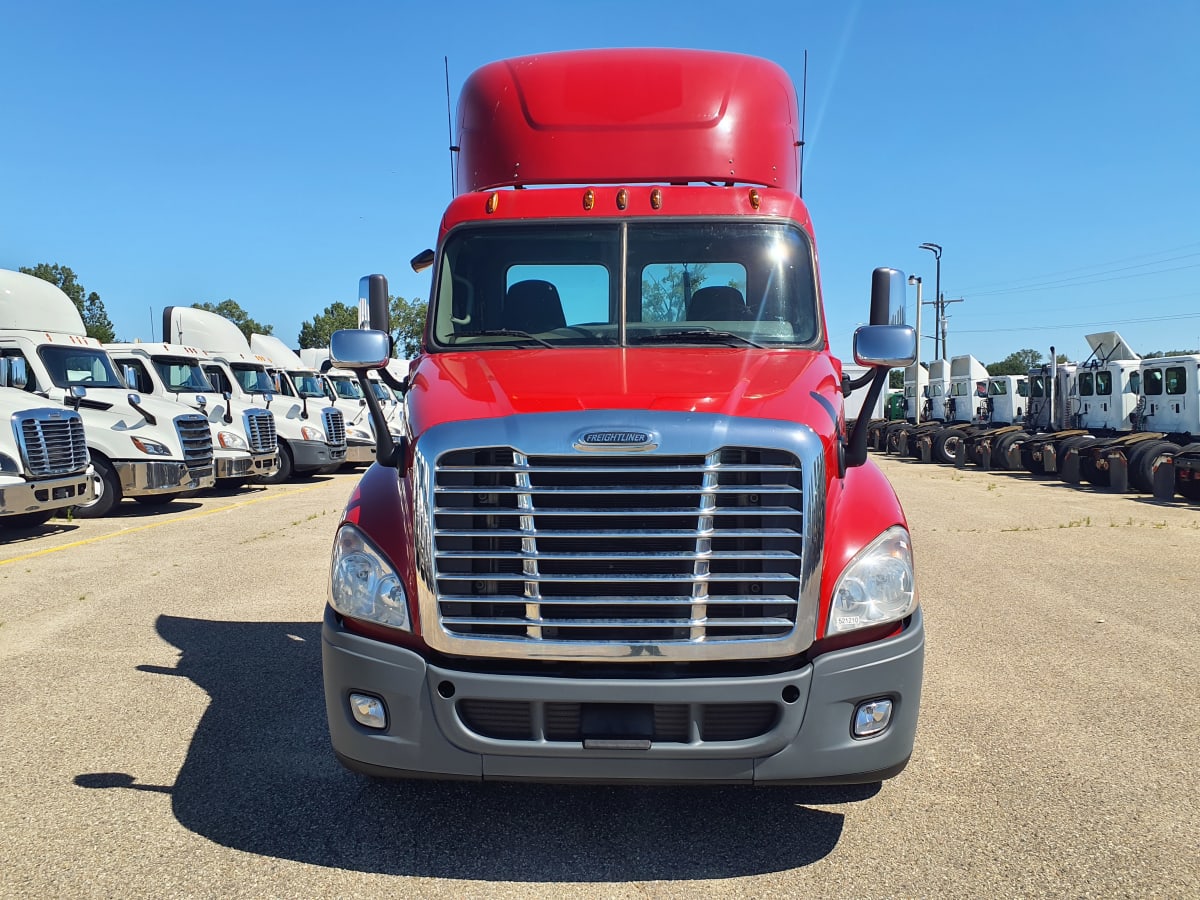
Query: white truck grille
point(260, 429)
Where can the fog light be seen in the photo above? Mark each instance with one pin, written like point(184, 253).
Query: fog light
point(872, 717)
point(368, 711)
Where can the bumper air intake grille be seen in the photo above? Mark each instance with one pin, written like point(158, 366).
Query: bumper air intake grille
point(260, 429)
point(196, 439)
point(675, 723)
point(637, 549)
point(52, 442)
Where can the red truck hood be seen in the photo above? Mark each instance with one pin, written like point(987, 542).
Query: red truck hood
point(768, 384)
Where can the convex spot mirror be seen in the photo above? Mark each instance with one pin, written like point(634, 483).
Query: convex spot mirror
point(887, 346)
point(359, 349)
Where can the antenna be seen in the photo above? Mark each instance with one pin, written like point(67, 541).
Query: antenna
point(152, 325)
point(450, 128)
point(803, 119)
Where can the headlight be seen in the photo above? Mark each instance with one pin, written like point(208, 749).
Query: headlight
point(231, 441)
point(360, 434)
point(876, 587)
point(364, 586)
point(309, 433)
point(8, 465)
point(154, 448)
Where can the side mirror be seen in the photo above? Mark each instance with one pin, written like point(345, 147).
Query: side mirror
point(18, 374)
point(887, 296)
point(886, 346)
point(134, 399)
point(360, 349)
point(129, 373)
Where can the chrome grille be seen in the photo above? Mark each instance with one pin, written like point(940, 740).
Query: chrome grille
point(196, 439)
point(638, 549)
point(52, 441)
point(335, 426)
point(260, 430)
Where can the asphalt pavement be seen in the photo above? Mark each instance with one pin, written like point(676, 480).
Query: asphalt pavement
point(162, 729)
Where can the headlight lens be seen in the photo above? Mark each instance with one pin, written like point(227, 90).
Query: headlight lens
point(308, 433)
point(231, 441)
point(363, 585)
point(9, 466)
point(154, 448)
point(876, 587)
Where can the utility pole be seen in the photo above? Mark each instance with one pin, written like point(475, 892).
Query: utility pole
point(942, 313)
point(936, 250)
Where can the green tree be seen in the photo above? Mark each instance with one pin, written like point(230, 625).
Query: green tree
point(336, 317)
point(1018, 363)
point(664, 299)
point(233, 311)
point(90, 306)
point(408, 325)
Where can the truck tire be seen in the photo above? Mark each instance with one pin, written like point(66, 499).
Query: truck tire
point(1002, 445)
point(945, 445)
point(1141, 463)
point(285, 470)
point(28, 520)
point(1077, 443)
point(156, 499)
point(1189, 489)
point(108, 491)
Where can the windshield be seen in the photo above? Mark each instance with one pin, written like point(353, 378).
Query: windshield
point(381, 391)
point(88, 366)
point(307, 384)
point(181, 375)
point(347, 388)
point(732, 283)
point(253, 379)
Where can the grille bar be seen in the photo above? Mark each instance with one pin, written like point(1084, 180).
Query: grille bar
point(335, 426)
point(260, 430)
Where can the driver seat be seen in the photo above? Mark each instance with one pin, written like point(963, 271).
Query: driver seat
point(533, 306)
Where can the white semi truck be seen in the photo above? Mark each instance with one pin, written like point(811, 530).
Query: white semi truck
point(141, 447)
point(312, 436)
point(245, 445)
point(344, 384)
point(296, 379)
point(44, 463)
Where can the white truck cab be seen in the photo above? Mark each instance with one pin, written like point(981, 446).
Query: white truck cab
point(297, 379)
point(141, 447)
point(44, 463)
point(344, 384)
point(245, 446)
point(1008, 398)
point(967, 398)
point(312, 436)
point(1170, 395)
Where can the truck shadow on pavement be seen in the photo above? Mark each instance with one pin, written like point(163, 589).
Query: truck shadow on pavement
point(260, 777)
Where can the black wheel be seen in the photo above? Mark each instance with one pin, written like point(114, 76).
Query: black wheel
point(1002, 445)
point(156, 499)
point(945, 445)
point(27, 520)
point(108, 491)
point(1190, 488)
point(1142, 460)
point(891, 438)
point(1090, 472)
point(286, 467)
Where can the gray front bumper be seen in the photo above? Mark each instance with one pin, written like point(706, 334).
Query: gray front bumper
point(360, 453)
point(809, 743)
point(308, 455)
point(47, 493)
point(145, 477)
point(243, 465)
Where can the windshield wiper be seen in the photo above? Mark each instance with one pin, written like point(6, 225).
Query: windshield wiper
point(699, 336)
point(505, 332)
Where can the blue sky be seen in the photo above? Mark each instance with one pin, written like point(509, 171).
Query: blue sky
point(272, 153)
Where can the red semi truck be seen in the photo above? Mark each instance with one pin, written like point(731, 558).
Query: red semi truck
point(625, 535)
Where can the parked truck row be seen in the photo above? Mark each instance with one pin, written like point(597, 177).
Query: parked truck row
point(93, 424)
point(1114, 420)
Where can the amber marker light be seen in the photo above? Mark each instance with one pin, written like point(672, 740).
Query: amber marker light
point(755, 199)
point(656, 199)
point(492, 202)
point(589, 198)
point(622, 198)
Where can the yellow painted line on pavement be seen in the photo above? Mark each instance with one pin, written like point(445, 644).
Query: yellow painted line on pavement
point(200, 513)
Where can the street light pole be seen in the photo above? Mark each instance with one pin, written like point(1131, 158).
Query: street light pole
point(936, 250)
